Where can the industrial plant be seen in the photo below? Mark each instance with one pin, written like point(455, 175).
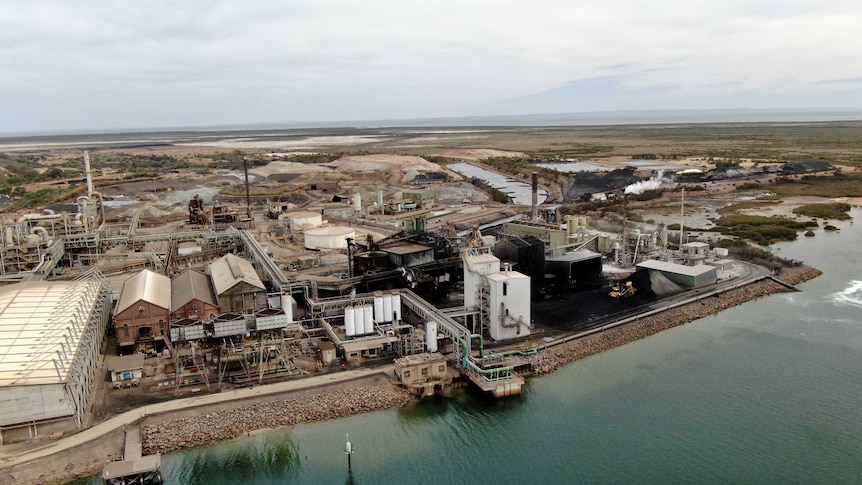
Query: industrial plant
point(452, 292)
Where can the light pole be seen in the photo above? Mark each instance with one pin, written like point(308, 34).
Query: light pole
point(348, 450)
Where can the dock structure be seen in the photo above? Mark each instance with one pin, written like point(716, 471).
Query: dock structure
point(134, 468)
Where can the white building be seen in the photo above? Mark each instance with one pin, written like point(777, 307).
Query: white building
point(503, 297)
point(50, 335)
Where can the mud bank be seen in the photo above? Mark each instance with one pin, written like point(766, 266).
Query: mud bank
point(553, 357)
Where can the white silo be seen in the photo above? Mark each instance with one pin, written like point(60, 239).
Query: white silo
point(378, 306)
point(396, 307)
point(357, 202)
point(387, 308)
point(349, 321)
point(368, 313)
point(431, 336)
point(359, 319)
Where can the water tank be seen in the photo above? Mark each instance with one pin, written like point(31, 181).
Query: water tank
point(368, 313)
point(387, 308)
point(328, 237)
point(378, 306)
point(431, 336)
point(396, 307)
point(349, 321)
point(301, 220)
point(359, 320)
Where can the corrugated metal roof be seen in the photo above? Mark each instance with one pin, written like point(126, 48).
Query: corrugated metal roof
point(147, 286)
point(229, 270)
point(575, 256)
point(37, 324)
point(676, 268)
point(191, 285)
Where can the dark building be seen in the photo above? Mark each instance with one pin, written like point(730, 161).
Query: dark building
point(527, 253)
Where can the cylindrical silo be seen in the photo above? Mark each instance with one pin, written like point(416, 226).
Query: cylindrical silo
point(378, 306)
point(431, 336)
point(368, 312)
point(396, 307)
point(357, 202)
point(349, 321)
point(359, 319)
point(387, 308)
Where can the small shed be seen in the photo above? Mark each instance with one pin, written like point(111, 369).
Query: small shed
point(127, 368)
point(327, 352)
point(409, 254)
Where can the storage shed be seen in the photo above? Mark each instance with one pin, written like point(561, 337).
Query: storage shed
point(143, 308)
point(685, 276)
point(237, 286)
point(192, 296)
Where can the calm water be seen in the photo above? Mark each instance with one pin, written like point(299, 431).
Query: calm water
point(767, 392)
point(519, 192)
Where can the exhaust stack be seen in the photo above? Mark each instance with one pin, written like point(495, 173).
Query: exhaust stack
point(534, 216)
point(87, 173)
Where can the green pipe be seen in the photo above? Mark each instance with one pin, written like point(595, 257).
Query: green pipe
point(481, 343)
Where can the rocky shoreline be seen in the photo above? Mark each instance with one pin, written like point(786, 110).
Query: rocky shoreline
point(187, 432)
point(551, 358)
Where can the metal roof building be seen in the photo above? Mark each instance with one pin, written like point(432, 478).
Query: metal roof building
point(192, 296)
point(50, 334)
point(143, 308)
point(237, 285)
point(686, 276)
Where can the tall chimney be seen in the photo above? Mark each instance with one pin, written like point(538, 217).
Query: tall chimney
point(247, 190)
point(535, 214)
point(87, 173)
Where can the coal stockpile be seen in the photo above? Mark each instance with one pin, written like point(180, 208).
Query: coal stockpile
point(593, 183)
point(577, 310)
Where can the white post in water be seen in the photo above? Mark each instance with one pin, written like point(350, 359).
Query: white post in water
point(348, 450)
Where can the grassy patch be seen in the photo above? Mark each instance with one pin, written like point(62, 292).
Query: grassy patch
point(760, 229)
point(831, 210)
point(746, 205)
point(820, 186)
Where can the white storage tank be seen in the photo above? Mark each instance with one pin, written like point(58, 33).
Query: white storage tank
point(334, 237)
point(368, 313)
point(302, 220)
point(359, 320)
point(387, 308)
point(349, 321)
point(431, 336)
point(396, 307)
point(378, 306)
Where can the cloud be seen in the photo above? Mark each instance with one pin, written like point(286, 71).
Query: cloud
point(160, 63)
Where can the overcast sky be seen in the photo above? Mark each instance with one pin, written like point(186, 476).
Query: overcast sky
point(82, 65)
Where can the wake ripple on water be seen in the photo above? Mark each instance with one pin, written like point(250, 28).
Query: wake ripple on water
point(850, 296)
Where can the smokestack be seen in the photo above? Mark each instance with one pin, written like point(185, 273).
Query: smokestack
point(681, 216)
point(247, 191)
point(87, 173)
point(535, 214)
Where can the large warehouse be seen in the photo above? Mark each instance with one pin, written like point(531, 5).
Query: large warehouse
point(686, 276)
point(50, 334)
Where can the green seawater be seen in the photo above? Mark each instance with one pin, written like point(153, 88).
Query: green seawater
point(766, 392)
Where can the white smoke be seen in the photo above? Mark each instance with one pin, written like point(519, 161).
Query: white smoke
point(653, 183)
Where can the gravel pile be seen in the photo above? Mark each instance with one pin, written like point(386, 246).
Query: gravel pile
point(176, 434)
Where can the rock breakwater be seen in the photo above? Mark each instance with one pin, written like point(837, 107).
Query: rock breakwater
point(187, 432)
point(553, 357)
